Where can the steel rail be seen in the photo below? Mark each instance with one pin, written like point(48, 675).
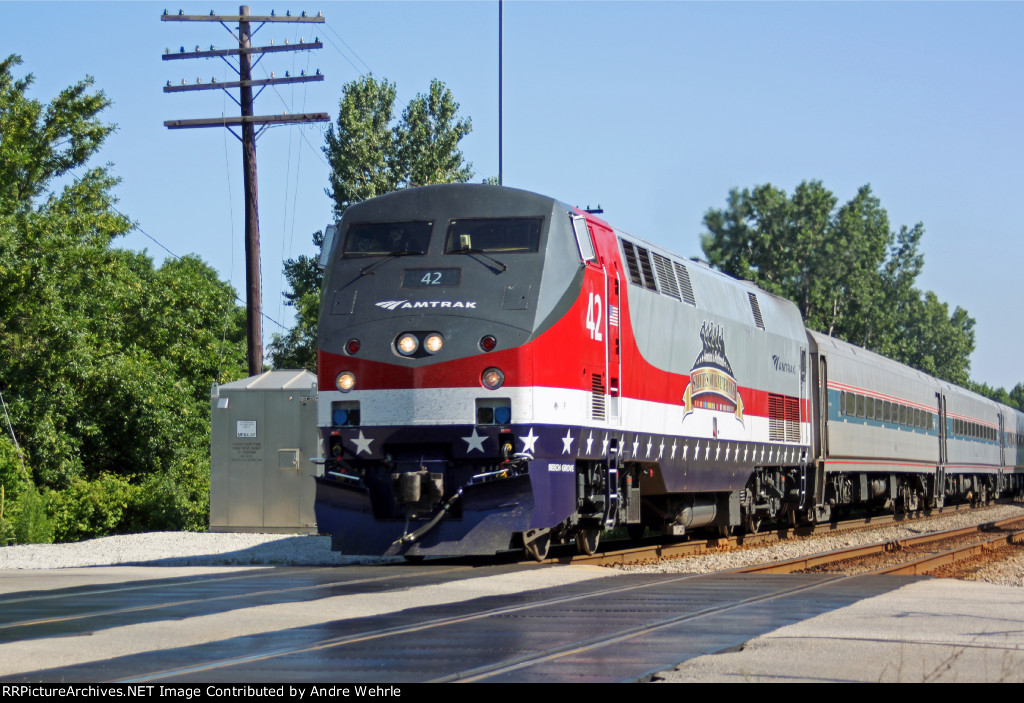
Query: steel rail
point(888, 547)
point(677, 550)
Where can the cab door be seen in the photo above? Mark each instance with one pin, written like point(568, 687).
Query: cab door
point(601, 289)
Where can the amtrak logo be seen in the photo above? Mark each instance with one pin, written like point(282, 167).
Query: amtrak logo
point(783, 366)
point(404, 304)
point(712, 385)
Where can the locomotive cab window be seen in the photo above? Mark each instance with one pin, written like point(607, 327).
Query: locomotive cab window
point(494, 235)
point(387, 238)
point(583, 239)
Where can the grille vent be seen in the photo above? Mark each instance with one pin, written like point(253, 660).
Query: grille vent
point(597, 411)
point(783, 418)
point(631, 262)
point(684, 284)
point(645, 266)
point(755, 308)
point(666, 278)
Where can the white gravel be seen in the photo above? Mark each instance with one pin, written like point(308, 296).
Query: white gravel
point(182, 549)
point(1009, 572)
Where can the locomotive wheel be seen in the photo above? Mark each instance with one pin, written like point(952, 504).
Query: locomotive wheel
point(753, 524)
point(537, 548)
point(586, 541)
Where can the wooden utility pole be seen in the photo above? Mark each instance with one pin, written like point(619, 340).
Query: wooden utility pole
point(247, 122)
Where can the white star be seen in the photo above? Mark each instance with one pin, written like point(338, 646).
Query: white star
point(686, 450)
point(566, 442)
point(650, 443)
point(707, 451)
point(636, 443)
point(362, 444)
point(673, 449)
point(718, 450)
point(661, 449)
point(728, 450)
point(474, 441)
point(590, 441)
point(529, 442)
point(604, 445)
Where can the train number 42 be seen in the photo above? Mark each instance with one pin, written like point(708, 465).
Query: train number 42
point(594, 312)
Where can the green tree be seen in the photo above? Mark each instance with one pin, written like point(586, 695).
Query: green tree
point(105, 360)
point(1017, 397)
point(851, 276)
point(427, 140)
point(370, 154)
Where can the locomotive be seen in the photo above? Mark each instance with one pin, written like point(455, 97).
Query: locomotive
point(500, 370)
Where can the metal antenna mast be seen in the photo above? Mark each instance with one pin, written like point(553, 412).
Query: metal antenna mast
point(247, 122)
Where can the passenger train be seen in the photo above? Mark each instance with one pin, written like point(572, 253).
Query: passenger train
point(500, 370)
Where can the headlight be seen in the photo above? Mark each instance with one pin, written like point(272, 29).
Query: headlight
point(433, 342)
point(346, 381)
point(492, 378)
point(407, 344)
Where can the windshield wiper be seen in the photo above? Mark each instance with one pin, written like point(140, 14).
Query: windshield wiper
point(480, 252)
point(387, 257)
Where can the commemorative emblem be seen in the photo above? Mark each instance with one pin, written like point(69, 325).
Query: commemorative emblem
point(712, 384)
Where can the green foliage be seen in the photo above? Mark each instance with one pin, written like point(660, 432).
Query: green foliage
point(40, 142)
point(106, 360)
point(851, 276)
point(371, 154)
point(1017, 397)
point(296, 349)
point(428, 139)
point(30, 519)
point(92, 508)
point(177, 499)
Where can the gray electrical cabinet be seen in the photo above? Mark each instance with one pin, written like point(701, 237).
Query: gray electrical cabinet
point(263, 438)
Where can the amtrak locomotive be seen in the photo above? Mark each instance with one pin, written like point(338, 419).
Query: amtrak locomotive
point(500, 370)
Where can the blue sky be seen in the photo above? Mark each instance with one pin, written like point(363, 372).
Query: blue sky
point(652, 110)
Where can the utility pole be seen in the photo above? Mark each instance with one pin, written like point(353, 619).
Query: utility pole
point(247, 122)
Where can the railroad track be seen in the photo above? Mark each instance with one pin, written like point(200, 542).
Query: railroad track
point(913, 556)
point(661, 551)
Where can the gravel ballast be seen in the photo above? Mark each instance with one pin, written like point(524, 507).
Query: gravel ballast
point(1009, 572)
point(182, 549)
